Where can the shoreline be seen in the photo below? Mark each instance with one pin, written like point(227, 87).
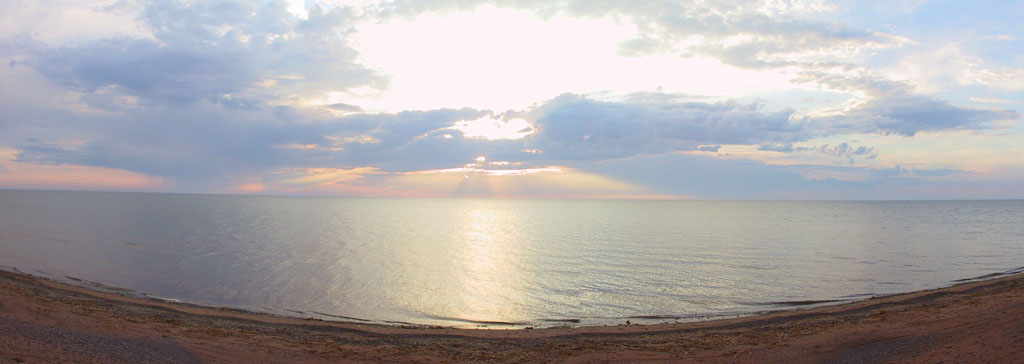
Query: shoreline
point(543, 323)
point(83, 325)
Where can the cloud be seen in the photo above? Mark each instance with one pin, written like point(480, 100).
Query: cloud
point(577, 127)
point(757, 35)
point(209, 142)
point(700, 175)
point(950, 66)
point(762, 35)
point(345, 107)
point(904, 171)
point(711, 176)
point(747, 34)
point(776, 147)
point(145, 69)
point(214, 94)
point(61, 21)
point(891, 107)
point(224, 52)
point(910, 114)
point(845, 150)
point(28, 175)
point(994, 100)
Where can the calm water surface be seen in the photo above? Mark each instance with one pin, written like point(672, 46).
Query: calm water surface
point(471, 263)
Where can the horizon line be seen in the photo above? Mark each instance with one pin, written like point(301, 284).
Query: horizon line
point(482, 197)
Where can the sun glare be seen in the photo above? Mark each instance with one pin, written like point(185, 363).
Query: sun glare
point(517, 59)
point(494, 129)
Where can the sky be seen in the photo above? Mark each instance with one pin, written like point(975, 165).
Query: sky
point(771, 99)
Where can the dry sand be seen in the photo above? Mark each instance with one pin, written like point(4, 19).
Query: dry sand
point(43, 321)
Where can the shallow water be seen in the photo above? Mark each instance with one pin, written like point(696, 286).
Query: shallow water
point(498, 263)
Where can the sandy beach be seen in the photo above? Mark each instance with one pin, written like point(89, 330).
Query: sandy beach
point(42, 321)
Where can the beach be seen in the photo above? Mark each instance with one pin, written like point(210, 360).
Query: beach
point(46, 321)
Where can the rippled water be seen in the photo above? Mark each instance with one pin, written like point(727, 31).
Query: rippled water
point(481, 262)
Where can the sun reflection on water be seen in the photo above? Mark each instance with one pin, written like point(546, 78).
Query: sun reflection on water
point(491, 281)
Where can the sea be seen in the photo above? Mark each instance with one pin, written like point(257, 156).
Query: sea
point(504, 263)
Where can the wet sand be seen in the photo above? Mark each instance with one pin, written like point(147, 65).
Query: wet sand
point(42, 321)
